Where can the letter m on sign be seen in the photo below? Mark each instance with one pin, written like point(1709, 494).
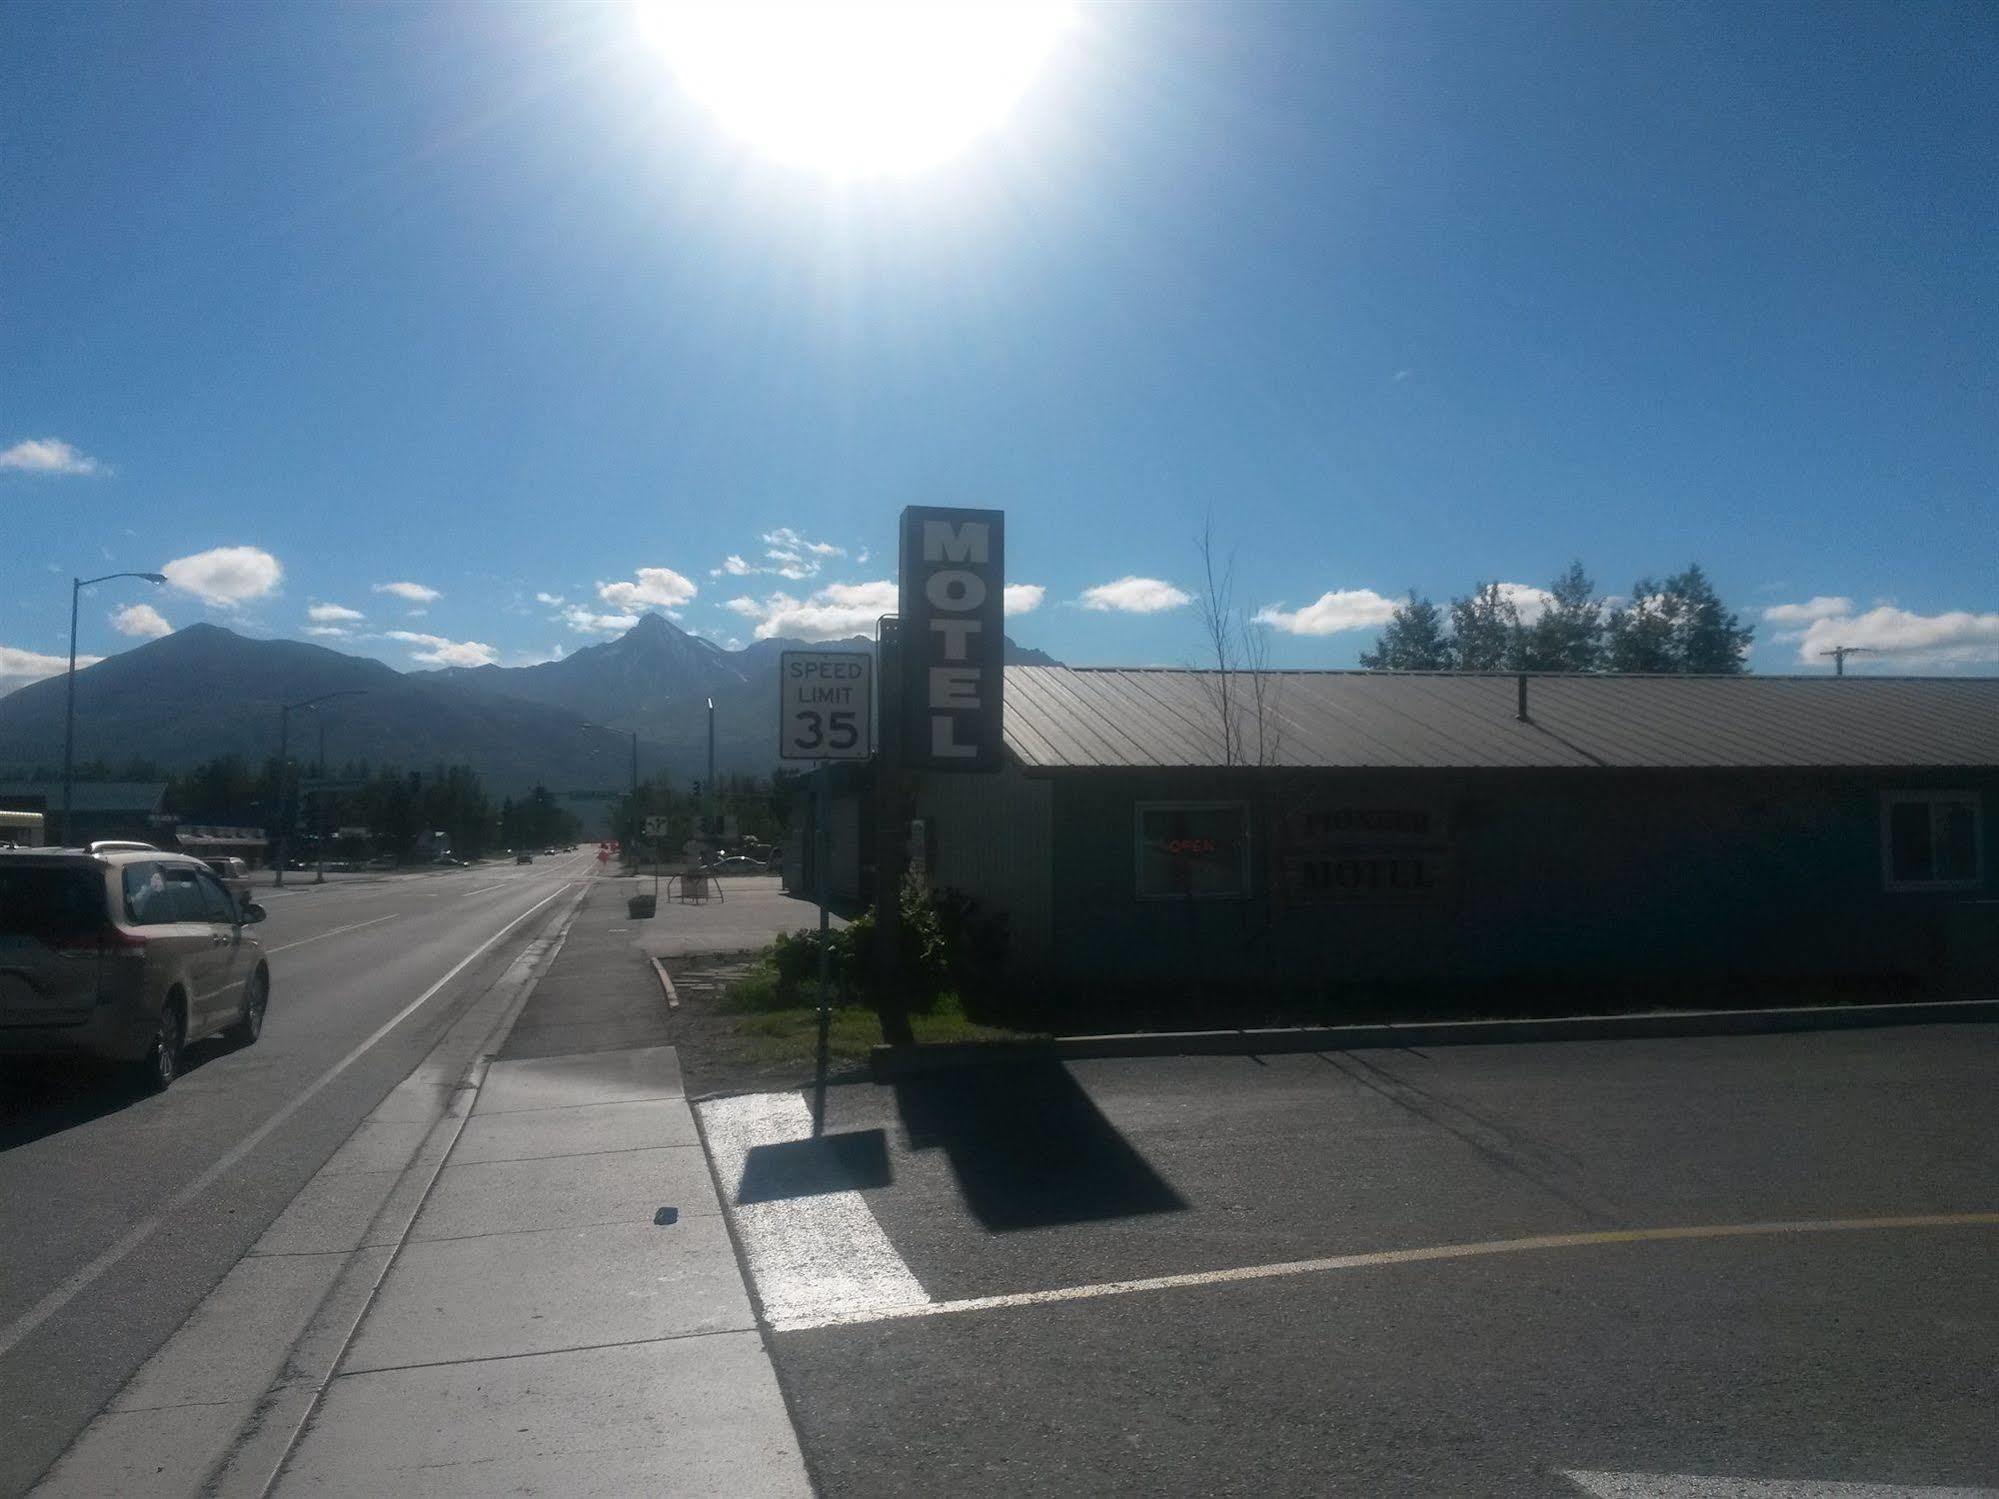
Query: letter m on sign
point(964, 542)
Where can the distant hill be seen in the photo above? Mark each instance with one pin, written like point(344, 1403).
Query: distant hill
point(656, 678)
point(205, 690)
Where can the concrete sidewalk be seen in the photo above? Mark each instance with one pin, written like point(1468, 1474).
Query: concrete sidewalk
point(567, 1315)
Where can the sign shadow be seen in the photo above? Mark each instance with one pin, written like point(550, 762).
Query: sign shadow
point(1029, 1148)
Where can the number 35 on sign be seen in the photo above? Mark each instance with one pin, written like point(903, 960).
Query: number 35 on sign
point(824, 709)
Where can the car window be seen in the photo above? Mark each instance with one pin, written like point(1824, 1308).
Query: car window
point(50, 903)
point(217, 903)
point(184, 893)
point(146, 900)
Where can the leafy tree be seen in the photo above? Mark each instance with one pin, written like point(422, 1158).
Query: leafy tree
point(1680, 625)
point(1485, 630)
point(1413, 640)
point(1569, 634)
point(1709, 637)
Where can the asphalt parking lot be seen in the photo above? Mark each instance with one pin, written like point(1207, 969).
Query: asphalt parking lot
point(1760, 1258)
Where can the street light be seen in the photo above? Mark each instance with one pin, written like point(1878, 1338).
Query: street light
point(76, 587)
point(284, 757)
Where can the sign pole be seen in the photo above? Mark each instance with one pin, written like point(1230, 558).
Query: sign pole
point(822, 852)
point(888, 840)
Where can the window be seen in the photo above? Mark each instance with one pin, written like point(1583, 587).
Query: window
point(216, 903)
point(1931, 840)
point(184, 893)
point(50, 905)
point(1193, 851)
point(146, 900)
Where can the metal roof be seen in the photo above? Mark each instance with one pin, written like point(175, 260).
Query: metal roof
point(85, 796)
point(1077, 717)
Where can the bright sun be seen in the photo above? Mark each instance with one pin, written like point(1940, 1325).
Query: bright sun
point(855, 88)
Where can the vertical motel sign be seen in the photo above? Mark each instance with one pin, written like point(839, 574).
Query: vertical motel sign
point(953, 641)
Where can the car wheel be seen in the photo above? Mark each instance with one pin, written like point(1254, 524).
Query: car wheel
point(157, 1070)
point(256, 999)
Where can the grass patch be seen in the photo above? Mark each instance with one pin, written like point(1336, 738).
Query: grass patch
point(778, 1022)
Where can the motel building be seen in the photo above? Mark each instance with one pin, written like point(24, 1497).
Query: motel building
point(1590, 836)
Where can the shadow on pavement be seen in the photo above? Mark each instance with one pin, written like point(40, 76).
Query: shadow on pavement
point(45, 1096)
point(1029, 1147)
point(808, 1168)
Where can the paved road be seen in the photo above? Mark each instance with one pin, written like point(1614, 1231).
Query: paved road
point(111, 1228)
point(1025, 1202)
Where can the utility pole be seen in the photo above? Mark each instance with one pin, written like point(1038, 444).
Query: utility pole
point(1839, 653)
point(76, 587)
point(712, 800)
point(284, 768)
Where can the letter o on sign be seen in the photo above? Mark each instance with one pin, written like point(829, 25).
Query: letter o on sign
point(955, 589)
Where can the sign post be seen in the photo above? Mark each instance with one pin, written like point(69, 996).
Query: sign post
point(824, 713)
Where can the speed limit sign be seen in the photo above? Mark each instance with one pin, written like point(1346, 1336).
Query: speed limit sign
point(824, 709)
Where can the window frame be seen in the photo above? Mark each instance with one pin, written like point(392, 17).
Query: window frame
point(1890, 800)
point(1246, 865)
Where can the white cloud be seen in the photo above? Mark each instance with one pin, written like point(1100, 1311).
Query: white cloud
point(141, 620)
point(1135, 596)
point(538, 658)
point(416, 593)
point(48, 455)
point(732, 566)
point(1529, 602)
point(1343, 609)
point(18, 667)
point(1956, 638)
point(553, 600)
point(226, 576)
point(1024, 598)
point(661, 587)
point(584, 622)
point(832, 613)
point(437, 651)
point(333, 614)
point(1821, 607)
point(329, 632)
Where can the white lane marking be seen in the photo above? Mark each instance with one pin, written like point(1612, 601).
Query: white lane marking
point(821, 1258)
point(133, 1237)
point(928, 1308)
point(484, 888)
point(287, 947)
point(1692, 1486)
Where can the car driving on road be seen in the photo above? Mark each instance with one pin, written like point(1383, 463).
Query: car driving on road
point(125, 954)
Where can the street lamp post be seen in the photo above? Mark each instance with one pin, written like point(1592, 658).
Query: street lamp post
point(713, 800)
point(284, 762)
point(76, 587)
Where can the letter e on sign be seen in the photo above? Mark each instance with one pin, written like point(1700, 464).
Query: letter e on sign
point(825, 705)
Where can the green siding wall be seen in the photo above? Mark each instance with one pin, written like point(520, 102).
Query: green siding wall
point(1565, 875)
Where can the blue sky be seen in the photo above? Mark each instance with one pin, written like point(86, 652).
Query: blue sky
point(476, 298)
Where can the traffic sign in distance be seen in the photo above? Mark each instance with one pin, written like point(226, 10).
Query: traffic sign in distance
point(656, 827)
point(824, 708)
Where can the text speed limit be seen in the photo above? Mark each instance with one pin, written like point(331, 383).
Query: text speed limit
point(825, 708)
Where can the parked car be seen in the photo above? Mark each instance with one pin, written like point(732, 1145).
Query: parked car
point(524, 857)
point(234, 874)
point(738, 864)
point(127, 955)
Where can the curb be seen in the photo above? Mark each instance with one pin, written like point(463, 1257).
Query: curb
point(887, 1063)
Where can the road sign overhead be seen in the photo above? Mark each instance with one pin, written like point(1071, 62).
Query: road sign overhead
point(824, 706)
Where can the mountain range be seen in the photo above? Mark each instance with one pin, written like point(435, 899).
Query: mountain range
point(205, 691)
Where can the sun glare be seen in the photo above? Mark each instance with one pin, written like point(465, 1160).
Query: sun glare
point(855, 88)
